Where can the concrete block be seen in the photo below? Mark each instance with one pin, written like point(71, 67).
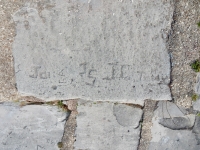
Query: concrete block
point(100, 125)
point(95, 50)
point(31, 127)
point(167, 139)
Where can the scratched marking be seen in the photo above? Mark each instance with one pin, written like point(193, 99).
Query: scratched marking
point(36, 73)
point(88, 73)
point(107, 56)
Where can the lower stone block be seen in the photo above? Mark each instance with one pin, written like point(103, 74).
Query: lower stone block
point(107, 126)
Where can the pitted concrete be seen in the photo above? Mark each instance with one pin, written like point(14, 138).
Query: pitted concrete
point(95, 50)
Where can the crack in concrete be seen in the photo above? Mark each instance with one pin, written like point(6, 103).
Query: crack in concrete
point(146, 123)
point(168, 41)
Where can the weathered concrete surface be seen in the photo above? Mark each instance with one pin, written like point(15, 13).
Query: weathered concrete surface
point(196, 129)
point(177, 123)
point(168, 139)
point(96, 50)
point(98, 126)
point(8, 91)
point(196, 104)
point(30, 127)
point(126, 115)
point(197, 86)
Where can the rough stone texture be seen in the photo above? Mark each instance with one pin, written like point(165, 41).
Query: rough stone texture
point(7, 80)
point(126, 115)
point(196, 104)
point(145, 136)
point(197, 86)
point(168, 139)
point(177, 123)
point(98, 127)
point(8, 91)
point(196, 129)
point(184, 47)
point(70, 126)
point(30, 127)
point(170, 110)
point(116, 50)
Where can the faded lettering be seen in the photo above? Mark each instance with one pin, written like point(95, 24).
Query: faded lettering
point(36, 73)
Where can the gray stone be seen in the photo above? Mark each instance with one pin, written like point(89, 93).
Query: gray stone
point(196, 129)
point(197, 86)
point(196, 104)
point(127, 115)
point(167, 139)
point(98, 127)
point(170, 110)
point(177, 123)
point(31, 127)
point(96, 50)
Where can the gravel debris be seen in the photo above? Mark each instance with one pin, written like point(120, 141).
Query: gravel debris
point(184, 48)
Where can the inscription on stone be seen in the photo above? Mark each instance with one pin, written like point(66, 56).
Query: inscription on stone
point(37, 74)
point(96, 50)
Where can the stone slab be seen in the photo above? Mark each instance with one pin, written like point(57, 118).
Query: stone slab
point(177, 123)
point(31, 127)
point(196, 129)
point(167, 139)
point(196, 104)
point(100, 125)
point(95, 50)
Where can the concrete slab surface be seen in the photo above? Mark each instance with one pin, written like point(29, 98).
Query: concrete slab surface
point(32, 127)
point(167, 139)
point(95, 50)
point(100, 127)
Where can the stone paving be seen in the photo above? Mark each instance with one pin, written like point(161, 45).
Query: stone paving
point(111, 64)
point(116, 126)
point(172, 129)
point(30, 127)
point(96, 50)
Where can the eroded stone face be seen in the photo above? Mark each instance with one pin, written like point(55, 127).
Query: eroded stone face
point(30, 127)
point(96, 50)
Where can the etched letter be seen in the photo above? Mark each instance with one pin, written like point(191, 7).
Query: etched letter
point(35, 71)
point(90, 76)
point(112, 72)
point(124, 71)
point(84, 69)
